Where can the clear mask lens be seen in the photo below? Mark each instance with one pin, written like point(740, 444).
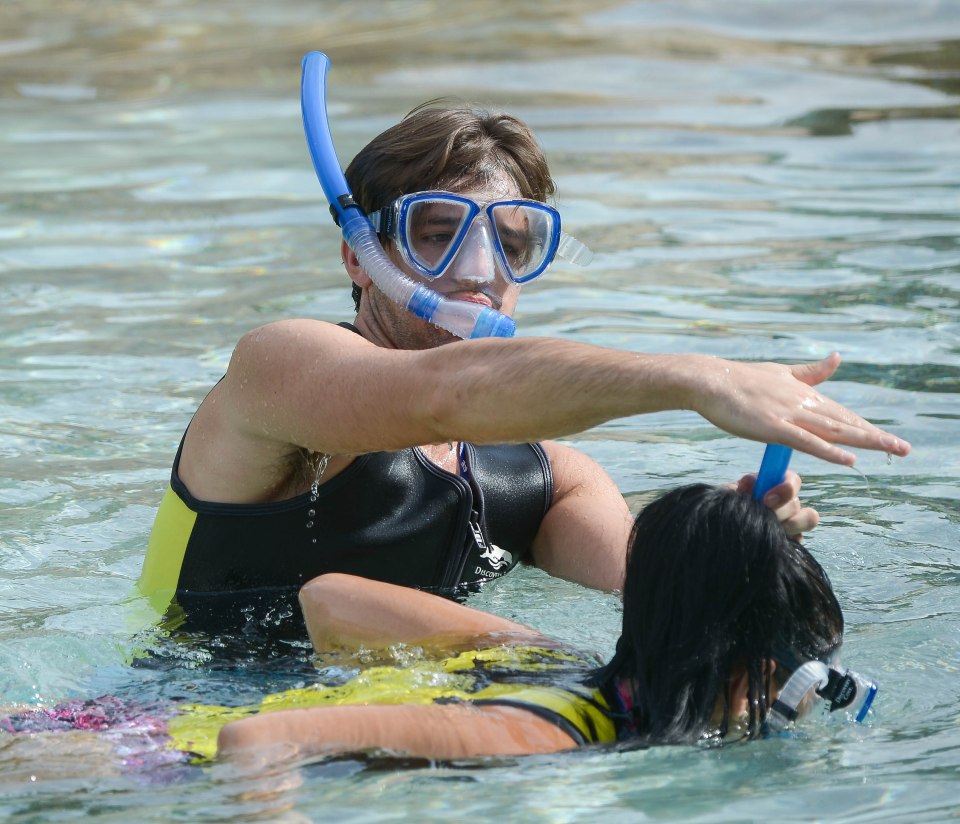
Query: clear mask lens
point(525, 236)
point(433, 229)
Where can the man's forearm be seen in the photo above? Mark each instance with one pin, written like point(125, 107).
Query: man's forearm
point(326, 389)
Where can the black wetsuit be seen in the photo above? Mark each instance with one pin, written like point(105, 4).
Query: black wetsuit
point(391, 516)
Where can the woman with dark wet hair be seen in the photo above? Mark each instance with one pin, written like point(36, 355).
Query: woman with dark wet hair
point(728, 625)
point(720, 607)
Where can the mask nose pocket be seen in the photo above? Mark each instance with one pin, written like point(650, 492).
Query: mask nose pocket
point(475, 260)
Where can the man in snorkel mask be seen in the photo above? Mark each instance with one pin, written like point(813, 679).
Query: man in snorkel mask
point(468, 218)
point(370, 448)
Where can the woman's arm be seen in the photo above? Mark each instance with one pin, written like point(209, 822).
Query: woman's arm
point(458, 730)
point(347, 611)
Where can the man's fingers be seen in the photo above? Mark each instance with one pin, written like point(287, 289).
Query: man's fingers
point(854, 432)
point(804, 440)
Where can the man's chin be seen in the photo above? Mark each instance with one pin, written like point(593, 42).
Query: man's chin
point(430, 336)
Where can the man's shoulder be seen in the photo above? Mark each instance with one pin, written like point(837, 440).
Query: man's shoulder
point(305, 325)
point(571, 468)
point(301, 333)
point(564, 453)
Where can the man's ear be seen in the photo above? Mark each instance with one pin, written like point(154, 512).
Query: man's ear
point(353, 267)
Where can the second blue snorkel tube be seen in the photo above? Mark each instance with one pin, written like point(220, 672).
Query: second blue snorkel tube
point(773, 469)
point(462, 318)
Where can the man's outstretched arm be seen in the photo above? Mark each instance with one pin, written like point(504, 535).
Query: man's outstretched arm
point(311, 385)
point(321, 387)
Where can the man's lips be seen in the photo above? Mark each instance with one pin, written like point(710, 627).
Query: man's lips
point(474, 297)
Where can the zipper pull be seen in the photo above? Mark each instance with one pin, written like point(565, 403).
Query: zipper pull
point(494, 557)
point(477, 531)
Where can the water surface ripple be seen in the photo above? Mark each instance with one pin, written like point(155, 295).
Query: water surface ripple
point(758, 180)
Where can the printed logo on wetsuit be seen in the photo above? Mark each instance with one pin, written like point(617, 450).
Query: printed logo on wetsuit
point(495, 557)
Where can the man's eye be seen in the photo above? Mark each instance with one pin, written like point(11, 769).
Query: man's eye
point(516, 250)
point(436, 238)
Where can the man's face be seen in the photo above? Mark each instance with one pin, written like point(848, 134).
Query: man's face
point(474, 275)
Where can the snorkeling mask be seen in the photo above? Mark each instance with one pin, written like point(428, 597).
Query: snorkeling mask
point(842, 688)
point(429, 229)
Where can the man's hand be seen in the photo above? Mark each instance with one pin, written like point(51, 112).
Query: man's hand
point(773, 403)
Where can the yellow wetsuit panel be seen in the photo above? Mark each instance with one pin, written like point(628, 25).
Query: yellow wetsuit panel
point(196, 726)
point(168, 545)
point(586, 711)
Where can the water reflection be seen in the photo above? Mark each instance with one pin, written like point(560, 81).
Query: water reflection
point(759, 180)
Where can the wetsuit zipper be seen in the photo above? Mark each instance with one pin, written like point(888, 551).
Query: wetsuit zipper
point(474, 536)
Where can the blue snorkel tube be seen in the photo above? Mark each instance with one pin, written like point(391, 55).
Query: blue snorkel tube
point(462, 318)
point(773, 469)
point(844, 689)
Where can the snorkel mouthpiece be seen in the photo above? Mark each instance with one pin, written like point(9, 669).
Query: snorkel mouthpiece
point(462, 318)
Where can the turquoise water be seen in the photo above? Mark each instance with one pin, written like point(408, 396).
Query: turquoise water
point(758, 180)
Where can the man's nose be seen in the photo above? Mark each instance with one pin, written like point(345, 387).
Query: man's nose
point(475, 260)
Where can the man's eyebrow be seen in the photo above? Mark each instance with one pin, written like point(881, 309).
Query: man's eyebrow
point(508, 231)
point(440, 219)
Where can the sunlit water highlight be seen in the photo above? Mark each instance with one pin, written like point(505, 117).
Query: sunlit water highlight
point(758, 181)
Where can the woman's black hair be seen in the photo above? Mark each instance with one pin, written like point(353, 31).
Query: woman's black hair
point(713, 585)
